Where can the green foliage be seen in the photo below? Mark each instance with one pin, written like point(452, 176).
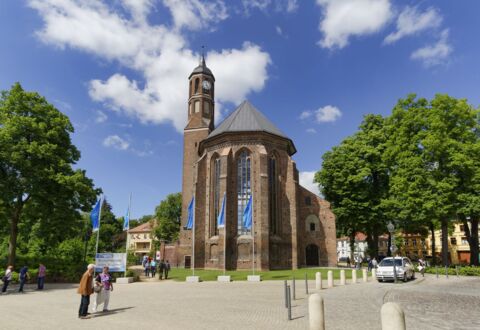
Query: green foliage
point(462, 270)
point(168, 218)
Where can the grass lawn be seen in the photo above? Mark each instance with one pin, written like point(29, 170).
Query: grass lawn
point(179, 274)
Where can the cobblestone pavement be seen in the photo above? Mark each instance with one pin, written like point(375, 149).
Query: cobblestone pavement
point(428, 303)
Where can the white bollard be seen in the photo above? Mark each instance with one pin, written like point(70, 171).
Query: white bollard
point(316, 313)
point(318, 281)
point(330, 279)
point(342, 277)
point(365, 275)
point(374, 274)
point(393, 317)
point(354, 276)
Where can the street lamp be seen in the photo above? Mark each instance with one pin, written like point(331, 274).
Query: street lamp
point(391, 228)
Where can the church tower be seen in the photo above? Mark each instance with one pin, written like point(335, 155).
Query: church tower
point(199, 125)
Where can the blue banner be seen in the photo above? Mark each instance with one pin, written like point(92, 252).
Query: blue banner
point(191, 209)
point(221, 215)
point(95, 216)
point(126, 220)
point(248, 215)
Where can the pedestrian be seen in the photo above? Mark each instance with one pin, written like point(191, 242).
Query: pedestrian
point(153, 268)
point(167, 269)
point(7, 278)
point(162, 269)
point(42, 271)
point(370, 265)
point(348, 262)
point(104, 281)
point(147, 268)
point(23, 277)
point(374, 263)
point(85, 290)
point(144, 260)
point(421, 266)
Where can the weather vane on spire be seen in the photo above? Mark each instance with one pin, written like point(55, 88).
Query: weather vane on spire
point(202, 60)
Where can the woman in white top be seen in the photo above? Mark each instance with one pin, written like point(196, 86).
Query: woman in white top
point(7, 278)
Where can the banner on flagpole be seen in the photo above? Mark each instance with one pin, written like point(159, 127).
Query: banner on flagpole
point(95, 216)
point(191, 209)
point(221, 215)
point(248, 214)
point(126, 220)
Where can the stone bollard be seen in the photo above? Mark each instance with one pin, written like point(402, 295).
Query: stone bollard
point(316, 313)
point(374, 274)
point(330, 279)
point(393, 317)
point(365, 275)
point(318, 281)
point(342, 277)
point(354, 276)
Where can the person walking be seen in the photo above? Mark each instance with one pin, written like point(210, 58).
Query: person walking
point(370, 265)
point(147, 268)
point(7, 278)
point(104, 281)
point(153, 268)
point(85, 290)
point(23, 277)
point(167, 269)
point(162, 269)
point(42, 271)
point(421, 266)
point(374, 263)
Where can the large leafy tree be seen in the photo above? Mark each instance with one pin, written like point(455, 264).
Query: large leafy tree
point(354, 178)
point(168, 218)
point(37, 180)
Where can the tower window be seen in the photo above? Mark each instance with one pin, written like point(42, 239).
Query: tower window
point(312, 226)
point(243, 188)
point(191, 108)
point(206, 108)
point(197, 106)
point(197, 82)
point(308, 200)
point(272, 194)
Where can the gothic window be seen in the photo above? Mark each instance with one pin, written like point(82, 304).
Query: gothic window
point(308, 201)
point(197, 106)
point(272, 195)
point(243, 188)
point(206, 108)
point(215, 175)
point(197, 82)
point(312, 226)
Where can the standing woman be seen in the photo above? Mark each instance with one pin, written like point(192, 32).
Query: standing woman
point(7, 278)
point(104, 280)
point(153, 268)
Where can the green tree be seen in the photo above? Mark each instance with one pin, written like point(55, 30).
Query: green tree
point(36, 159)
point(168, 218)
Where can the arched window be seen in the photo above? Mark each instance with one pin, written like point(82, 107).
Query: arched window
point(243, 188)
point(206, 108)
point(190, 89)
point(272, 195)
point(197, 82)
point(197, 106)
point(215, 175)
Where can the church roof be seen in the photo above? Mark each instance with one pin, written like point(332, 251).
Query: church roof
point(246, 118)
point(202, 68)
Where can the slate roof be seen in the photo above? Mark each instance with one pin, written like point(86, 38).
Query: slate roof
point(144, 227)
point(246, 119)
point(202, 68)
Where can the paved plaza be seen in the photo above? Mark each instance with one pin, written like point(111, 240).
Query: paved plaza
point(429, 303)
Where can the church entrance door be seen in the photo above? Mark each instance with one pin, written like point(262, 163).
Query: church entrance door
point(312, 255)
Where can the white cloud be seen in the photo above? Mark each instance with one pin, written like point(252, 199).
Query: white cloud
point(306, 181)
point(115, 141)
point(311, 130)
point(436, 54)
point(101, 117)
point(288, 6)
point(345, 18)
point(305, 115)
point(327, 114)
point(279, 30)
point(411, 21)
point(157, 52)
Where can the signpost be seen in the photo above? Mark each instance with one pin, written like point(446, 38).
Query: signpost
point(116, 262)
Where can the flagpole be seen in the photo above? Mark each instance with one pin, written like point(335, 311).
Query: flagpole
point(193, 237)
point(126, 244)
point(98, 232)
point(253, 240)
point(225, 240)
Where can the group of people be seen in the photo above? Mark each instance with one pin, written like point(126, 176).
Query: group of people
point(150, 267)
point(23, 277)
point(102, 288)
point(372, 264)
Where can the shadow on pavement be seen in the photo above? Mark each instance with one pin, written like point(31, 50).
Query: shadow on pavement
point(112, 311)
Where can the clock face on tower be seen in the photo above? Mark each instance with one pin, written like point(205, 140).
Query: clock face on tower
point(206, 85)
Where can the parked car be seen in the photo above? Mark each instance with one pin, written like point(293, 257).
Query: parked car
point(404, 269)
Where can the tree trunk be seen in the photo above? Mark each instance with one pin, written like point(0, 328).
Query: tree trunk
point(12, 242)
point(445, 242)
point(389, 247)
point(352, 245)
point(474, 250)
point(375, 244)
point(432, 233)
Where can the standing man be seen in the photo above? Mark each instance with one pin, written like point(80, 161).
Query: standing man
point(85, 290)
point(162, 269)
point(167, 269)
point(42, 270)
point(7, 278)
point(23, 277)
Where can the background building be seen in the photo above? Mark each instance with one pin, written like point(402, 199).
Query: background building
point(140, 239)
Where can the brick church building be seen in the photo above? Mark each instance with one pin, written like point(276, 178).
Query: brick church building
point(246, 155)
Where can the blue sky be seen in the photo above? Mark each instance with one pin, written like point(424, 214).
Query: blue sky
point(119, 70)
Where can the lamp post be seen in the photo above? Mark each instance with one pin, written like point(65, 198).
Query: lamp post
point(391, 228)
